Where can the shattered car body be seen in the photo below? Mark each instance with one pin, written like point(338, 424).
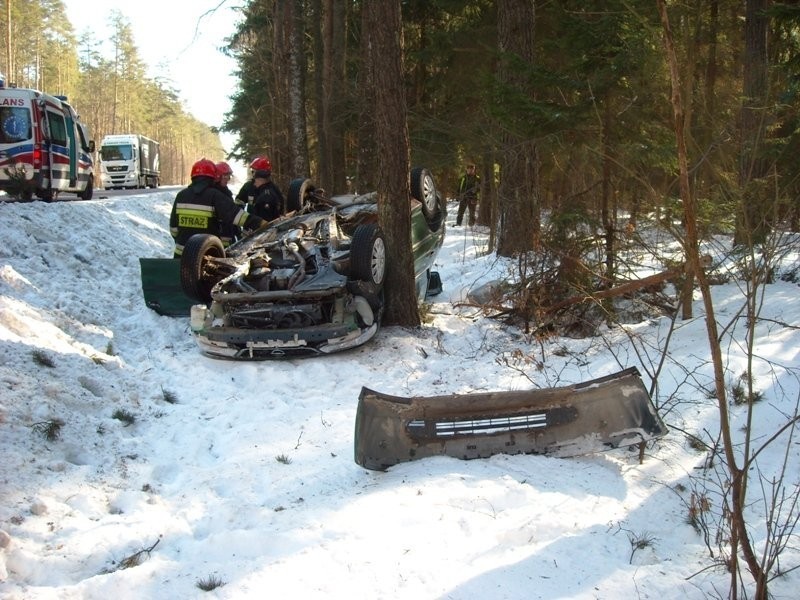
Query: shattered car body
point(310, 283)
point(601, 414)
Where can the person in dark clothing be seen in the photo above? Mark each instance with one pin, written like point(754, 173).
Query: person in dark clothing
point(202, 208)
point(247, 193)
point(224, 173)
point(260, 194)
point(268, 203)
point(468, 189)
point(232, 233)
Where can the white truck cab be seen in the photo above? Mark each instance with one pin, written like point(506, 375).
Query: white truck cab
point(129, 160)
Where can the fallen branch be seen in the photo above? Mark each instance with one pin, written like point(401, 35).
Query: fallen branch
point(620, 290)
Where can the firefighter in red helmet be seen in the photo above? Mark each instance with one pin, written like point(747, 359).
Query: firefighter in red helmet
point(260, 194)
point(233, 233)
point(224, 174)
point(202, 208)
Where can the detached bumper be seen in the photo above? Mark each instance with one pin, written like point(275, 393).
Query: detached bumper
point(593, 416)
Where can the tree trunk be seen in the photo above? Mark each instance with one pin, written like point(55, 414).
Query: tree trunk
point(366, 174)
point(607, 211)
point(298, 140)
point(384, 28)
point(343, 99)
point(319, 22)
point(754, 219)
point(279, 144)
point(517, 192)
point(329, 51)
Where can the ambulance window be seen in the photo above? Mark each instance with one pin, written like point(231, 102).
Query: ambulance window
point(15, 124)
point(84, 143)
point(58, 128)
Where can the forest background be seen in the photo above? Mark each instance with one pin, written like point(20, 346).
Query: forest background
point(569, 100)
point(573, 104)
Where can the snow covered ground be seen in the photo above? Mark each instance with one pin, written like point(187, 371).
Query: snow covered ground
point(172, 470)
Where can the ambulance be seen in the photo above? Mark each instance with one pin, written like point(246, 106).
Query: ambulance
point(44, 147)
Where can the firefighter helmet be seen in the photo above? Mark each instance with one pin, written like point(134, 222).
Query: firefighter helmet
point(223, 168)
point(204, 168)
point(261, 163)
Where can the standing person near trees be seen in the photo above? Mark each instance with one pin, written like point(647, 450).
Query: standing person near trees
point(202, 208)
point(469, 187)
point(260, 194)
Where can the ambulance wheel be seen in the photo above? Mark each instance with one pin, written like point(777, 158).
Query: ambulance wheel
point(86, 194)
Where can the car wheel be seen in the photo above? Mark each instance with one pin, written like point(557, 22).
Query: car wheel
point(195, 252)
point(368, 254)
point(438, 220)
point(296, 197)
point(424, 189)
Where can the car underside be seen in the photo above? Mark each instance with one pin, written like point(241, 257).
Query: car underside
point(311, 283)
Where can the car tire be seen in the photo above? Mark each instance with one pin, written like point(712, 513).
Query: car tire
point(368, 254)
point(439, 218)
point(195, 251)
point(423, 189)
point(296, 196)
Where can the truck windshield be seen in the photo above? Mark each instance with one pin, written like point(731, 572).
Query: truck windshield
point(15, 124)
point(116, 152)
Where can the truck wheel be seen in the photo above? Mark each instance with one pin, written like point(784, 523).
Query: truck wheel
point(199, 247)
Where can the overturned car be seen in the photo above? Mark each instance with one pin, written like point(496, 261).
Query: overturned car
point(310, 283)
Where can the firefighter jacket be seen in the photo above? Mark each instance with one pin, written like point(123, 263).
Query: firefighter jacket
point(247, 193)
point(268, 203)
point(228, 233)
point(203, 208)
point(266, 200)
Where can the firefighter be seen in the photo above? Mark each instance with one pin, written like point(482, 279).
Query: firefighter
point(203, 208)
point(224, 173)
point(262, 196)
point(232, 233)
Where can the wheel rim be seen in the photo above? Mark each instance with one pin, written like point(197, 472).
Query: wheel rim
point(378, 260)
point(429, 192)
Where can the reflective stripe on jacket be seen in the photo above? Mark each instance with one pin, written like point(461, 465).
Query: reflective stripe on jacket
point(203, 208)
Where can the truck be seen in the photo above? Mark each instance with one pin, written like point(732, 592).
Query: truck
point(129, 160)
point(44, 146)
